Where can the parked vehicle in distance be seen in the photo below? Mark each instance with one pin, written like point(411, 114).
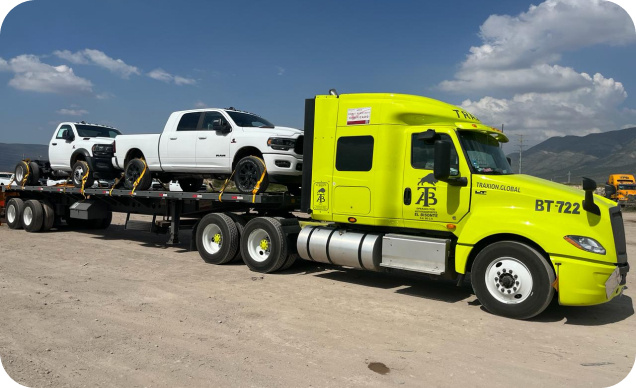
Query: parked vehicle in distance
point(76, 148)
point(5, 178)
point(213, 143)
point(621, 188)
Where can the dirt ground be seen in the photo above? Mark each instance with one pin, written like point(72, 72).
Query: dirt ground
point(119, 308)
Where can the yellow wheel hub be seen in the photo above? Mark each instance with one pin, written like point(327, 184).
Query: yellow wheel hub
point(264, 244)
point(217, 238)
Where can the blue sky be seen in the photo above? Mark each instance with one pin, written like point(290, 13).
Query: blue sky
point(553, 68)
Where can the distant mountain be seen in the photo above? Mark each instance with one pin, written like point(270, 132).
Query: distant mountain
point(594, 156)
point(11, 154)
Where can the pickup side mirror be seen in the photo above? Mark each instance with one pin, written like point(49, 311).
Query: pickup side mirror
point(221, 126)
point(68, 135)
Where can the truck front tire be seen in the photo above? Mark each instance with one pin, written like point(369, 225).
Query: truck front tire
point(217, 238)
point(248, 172)
point(134, 169)
point(27, 174)
point(513, 280)
point(15, 207)
point(264, 246)
point(79, 171)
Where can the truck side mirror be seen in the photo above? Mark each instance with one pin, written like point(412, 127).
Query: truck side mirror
point(609, 190)
point(441, 168)
point(588, 203)
point(221, 125)
point(68, 135)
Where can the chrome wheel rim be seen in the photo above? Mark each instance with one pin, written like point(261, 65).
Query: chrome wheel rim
point(78, 174)
point(11, 214)
point(508, 280)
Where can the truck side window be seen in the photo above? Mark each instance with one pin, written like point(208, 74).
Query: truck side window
point(354, 153)
point(423, 154)
point(60, 132)
point(209, 118)
point(189, 122)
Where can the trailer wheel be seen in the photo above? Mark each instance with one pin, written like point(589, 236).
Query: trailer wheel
point(79, 170)
point(32, 216)
point(240, 227)
point(217, 238)
point(249, 171)
point(49, 216)
point(291, 260)
point(513, 280)
point(264, 246)
point(15, 207)
point(134, 169)
point(101, 223)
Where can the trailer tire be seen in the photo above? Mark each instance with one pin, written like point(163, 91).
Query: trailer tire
point(79, 170)
point(49, 216)
point(15, 207)
point(134, 169)
point(101, 223)
point(248, 172)
point(264, 245)
point(291, 260)
point(190, 185)
point(240, 227)
point(217, 238)
point(32, 216)
point(513, 280)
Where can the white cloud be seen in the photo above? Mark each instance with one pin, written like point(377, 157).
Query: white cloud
point(98, 58)
point(163, 76)
point(72, 112)
point(104, 96)
point(200, 105)
point(517, 62)
point(281, 70)
point(30, 74)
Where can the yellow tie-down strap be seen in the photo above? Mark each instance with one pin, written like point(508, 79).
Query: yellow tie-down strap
point(84, 178)
point(28, 172)
point(258, 184)
point(140, 176)
point(117, 180)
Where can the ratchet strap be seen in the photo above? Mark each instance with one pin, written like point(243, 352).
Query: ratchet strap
point(84, 178)
point(228, 180)
point(117, 180)
point(28, 172)
point(140, 176)
point(258, 184)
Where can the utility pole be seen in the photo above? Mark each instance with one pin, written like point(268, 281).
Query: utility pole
point(520, 151)
point(568, 177)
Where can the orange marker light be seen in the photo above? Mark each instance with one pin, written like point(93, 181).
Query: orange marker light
point(352, 219)
point(451, 226)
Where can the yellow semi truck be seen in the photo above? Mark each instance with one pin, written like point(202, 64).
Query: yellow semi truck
point(391, 183)
point(621, 188)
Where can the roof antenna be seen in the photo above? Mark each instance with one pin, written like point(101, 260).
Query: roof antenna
point(333, 92)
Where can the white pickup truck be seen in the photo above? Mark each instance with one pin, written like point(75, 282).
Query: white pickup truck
point(74, 149)
point(213, 143)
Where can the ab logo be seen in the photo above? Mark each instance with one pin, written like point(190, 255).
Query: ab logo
point(427, 197)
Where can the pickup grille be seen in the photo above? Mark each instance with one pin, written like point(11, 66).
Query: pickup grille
point(618, 228)
point(298, 148)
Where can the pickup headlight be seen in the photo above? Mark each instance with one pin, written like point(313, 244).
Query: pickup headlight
point(281, 143)
point(586, 243)
point(102, 149)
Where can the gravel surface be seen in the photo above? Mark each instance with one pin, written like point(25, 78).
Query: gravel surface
point(119, 308)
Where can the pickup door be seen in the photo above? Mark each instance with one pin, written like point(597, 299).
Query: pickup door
point(60, 149)
point(194, 146)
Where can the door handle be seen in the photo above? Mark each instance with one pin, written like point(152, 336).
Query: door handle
point(202, 138)
point(407, 196)
point(173, 138)
point(53, 143)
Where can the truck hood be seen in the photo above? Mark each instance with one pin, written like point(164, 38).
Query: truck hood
point(97, 140)
point(276, 131)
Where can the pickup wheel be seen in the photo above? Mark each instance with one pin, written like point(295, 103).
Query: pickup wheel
point(15, 207)
point(513, 280)
point(134, 170)
point(217, 238)
point(263, 245)
point(248, 173)
point(32, 216)
point(80, 168)
point(22, 169)
point(190, 184)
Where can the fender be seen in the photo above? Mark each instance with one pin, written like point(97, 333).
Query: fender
point(85, 153)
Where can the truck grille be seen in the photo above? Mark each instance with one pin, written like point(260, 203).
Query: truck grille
point(616, 218)
point(299, 145)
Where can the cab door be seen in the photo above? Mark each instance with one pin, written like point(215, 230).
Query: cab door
point(428, 201)
point(213, 146)
point(60, 149)
point(180, 148)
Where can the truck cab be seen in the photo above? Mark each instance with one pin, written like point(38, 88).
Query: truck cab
point(411, 183)
point(621, 188)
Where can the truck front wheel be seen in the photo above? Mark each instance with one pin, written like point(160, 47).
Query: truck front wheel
point(512, 279)
point(263, 245)
point(137, 171)
point(249, 171)
point(80, 168)
point(217, 239)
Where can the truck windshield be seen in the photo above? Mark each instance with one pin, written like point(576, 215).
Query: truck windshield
point(484, 153)
point(249, 120)
point(627, 187)
point(84, 130)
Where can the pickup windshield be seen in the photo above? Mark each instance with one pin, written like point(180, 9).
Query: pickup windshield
point(84, 130)
point(484, 154)
point(249, 120)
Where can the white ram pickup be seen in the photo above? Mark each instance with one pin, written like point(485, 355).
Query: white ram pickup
point(75, 149)
point(213, 143)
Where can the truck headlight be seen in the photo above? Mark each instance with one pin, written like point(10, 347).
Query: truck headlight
point(586, 243)
point(281, 143)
